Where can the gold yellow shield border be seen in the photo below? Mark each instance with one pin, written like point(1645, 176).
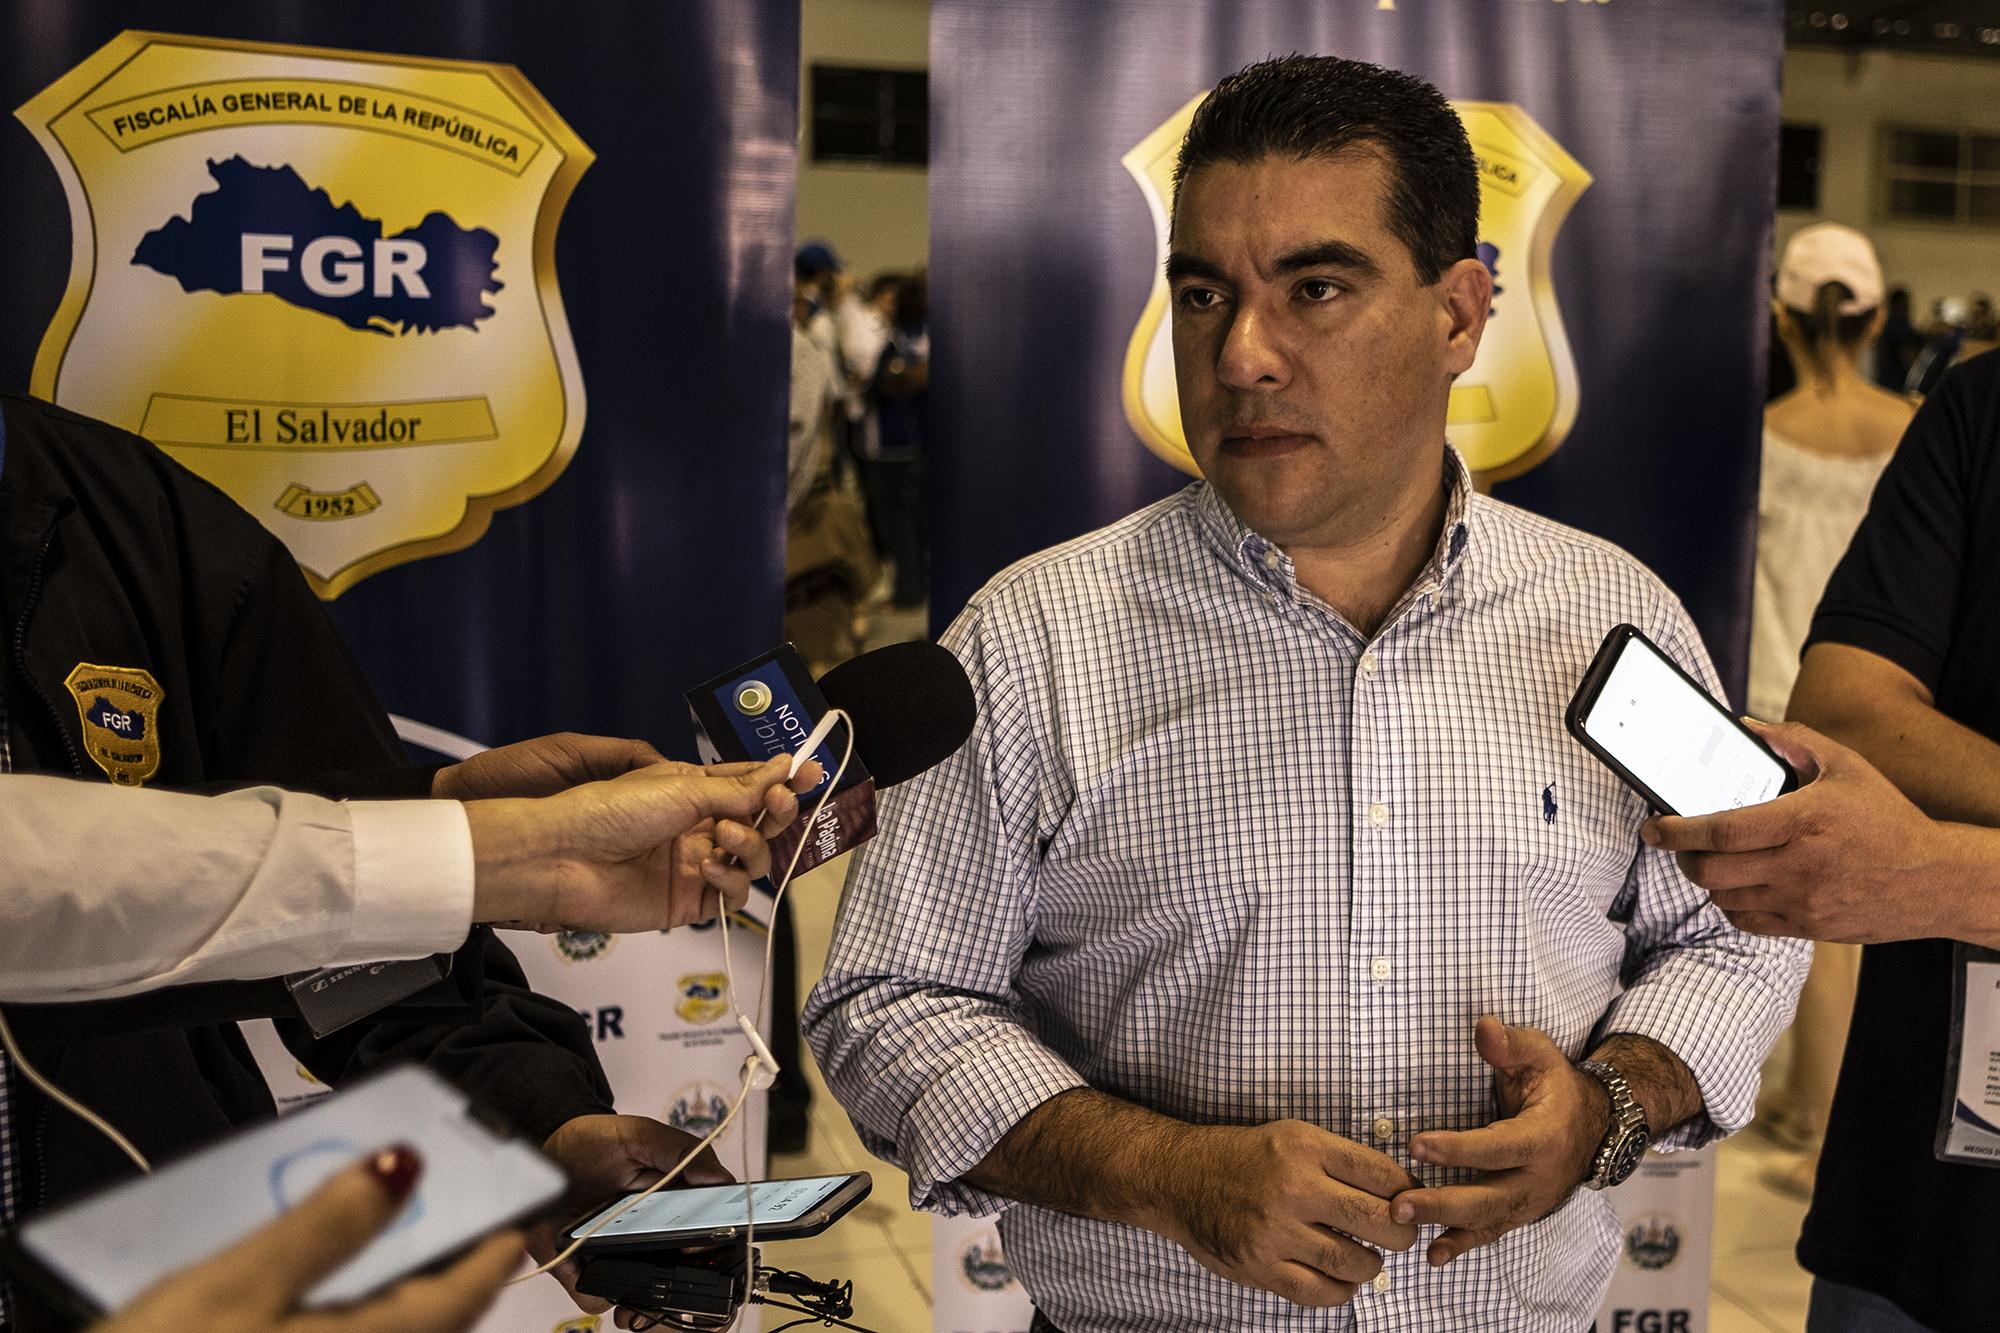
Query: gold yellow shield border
point(63, 96)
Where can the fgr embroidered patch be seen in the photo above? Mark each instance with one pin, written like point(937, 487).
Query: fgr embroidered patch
point(120, 708)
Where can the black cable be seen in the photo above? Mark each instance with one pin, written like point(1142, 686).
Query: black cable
point(810, 1317)
point(665, 1319)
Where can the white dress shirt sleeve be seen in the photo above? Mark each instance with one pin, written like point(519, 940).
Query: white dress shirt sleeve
point(108, 891)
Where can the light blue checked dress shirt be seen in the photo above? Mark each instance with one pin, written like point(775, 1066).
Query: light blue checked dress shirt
point(1211, 850)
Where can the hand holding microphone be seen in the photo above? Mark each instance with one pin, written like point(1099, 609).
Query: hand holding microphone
point(642, 851)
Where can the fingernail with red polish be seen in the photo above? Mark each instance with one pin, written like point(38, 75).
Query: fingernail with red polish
point(396, 1170)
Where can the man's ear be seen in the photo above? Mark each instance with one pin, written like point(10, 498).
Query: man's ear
point(1465, 294)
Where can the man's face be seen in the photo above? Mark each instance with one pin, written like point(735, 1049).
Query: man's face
point(1314, 365)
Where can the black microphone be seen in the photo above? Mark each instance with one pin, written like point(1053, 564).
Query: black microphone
point(911, 704)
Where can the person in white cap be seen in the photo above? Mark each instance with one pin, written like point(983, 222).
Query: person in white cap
point(1825, 443)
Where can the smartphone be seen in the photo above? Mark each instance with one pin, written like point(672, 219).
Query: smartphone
point(714, 1214)
point(93, 1256)
point(1655, 726)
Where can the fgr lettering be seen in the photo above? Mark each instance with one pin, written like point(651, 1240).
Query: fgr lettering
point(337, 266)
point(609, 1021)
point(1650, 1321)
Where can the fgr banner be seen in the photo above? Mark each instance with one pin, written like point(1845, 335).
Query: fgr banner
point(1628, 161)
point(1667, 1213)
point(480, 306)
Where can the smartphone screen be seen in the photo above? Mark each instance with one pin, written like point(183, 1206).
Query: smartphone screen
point(113, 1245)
point(1671, 736)
point(717, 1207)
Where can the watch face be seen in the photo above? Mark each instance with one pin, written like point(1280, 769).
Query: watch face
point(1625, 1160)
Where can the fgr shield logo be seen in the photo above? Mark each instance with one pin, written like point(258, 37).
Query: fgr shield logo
point(704, 997)
point(1519, 400)
point(120, 711)
point(344, 266)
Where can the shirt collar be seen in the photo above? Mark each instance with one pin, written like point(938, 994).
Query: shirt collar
point(1266, 565)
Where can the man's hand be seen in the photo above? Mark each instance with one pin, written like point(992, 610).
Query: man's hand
point(1845, 858)
point(541, 767)
point(1288, 1207)
point(258, 1284)
point(1552, 1118)
point(607, 1157)
point(649, 850)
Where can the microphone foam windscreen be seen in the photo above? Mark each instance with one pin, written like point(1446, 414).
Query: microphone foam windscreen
point(912, 707)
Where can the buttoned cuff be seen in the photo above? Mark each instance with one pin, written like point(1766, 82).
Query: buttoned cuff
point(1721, 1023)
point(412, 878)
point(983, 1093)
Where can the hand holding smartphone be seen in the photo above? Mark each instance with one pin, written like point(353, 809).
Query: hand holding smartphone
point(715, 1214)
point(1655, 727)
point(97, 1254)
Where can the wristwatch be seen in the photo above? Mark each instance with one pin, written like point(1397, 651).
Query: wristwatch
point(1625, 1142)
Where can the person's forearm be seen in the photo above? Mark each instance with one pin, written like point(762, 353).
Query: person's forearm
point(1089, 1154)
point(1966, 886)
point(1949, 770)
point(511, 862)
point(1661, 1082)
point(112, 892)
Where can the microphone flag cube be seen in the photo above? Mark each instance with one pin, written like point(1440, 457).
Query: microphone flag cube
point(766, 707)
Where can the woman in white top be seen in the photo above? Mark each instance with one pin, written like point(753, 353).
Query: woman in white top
point(1825, 444)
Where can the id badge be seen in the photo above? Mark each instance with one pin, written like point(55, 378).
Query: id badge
point(333, 997)
point(1969, 1125)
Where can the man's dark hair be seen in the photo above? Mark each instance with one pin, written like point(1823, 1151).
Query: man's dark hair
point(1321, 106)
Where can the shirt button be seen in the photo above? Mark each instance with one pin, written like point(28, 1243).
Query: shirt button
point(1270, 558)
point(1368, 665)
point(1381, 1282)
point(1379, 969)
point(1378, 814)
point(1385, 1128)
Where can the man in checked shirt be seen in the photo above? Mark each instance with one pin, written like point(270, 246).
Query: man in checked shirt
point(1270, 922)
